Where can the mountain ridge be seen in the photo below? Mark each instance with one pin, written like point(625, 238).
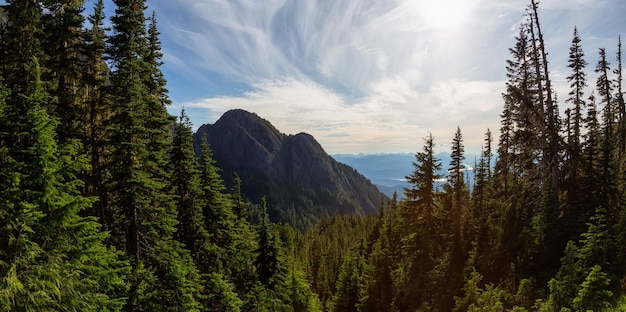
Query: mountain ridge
point(301, 181)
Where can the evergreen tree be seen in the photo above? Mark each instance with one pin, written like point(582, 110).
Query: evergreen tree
point(421, 224)
point(22, 44)
point(608, 182)
point(269, 261)
point(383, 260)
point(349, 282)
point(164, 276)
point(222, 250)
point(63, 31)
point(591, 152)
point(191, 229)
point(481, 192)
point(574, 283)
point(97, 111)
point(217, 210)
point(517, 157)
point(578, 82)
point(593, 294)
point(240, 206)
point(51, 258)
point(421, 207)
point(621, 105)
point(457, 168)
point(461, 229)
point(482, 214)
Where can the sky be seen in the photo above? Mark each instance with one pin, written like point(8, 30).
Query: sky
point(366, 76)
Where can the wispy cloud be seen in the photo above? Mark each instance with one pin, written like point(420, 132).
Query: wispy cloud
point(371, 124)
point(361, 76)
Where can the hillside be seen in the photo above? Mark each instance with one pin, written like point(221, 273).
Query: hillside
point(301, 181)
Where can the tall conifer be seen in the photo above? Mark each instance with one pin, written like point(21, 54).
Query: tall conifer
point(573, 164)
point(63, 23)
point(97, 111)
point(51, 258)
point(164, 276)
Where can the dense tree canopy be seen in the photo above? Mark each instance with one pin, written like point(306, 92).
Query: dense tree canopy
point(105, 205)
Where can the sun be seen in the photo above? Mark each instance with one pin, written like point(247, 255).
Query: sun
point(444, 14)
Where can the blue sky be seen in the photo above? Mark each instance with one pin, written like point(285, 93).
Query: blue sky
point(370, 76)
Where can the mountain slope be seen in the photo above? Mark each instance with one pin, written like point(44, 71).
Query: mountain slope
point(301, 181)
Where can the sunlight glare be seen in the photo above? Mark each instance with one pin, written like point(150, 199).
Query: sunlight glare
point(444, 14)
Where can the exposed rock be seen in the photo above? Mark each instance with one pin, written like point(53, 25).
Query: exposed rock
point(301, 181)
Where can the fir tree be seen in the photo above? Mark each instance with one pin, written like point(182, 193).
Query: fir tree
point(269, 261)
point(51, 258)
point(22, 43)
point(383, 259)
point(217, 210)
point(186, 187)
point(193, 229)
point(63, 31)
point(421, 223)
point(608, 182)
point(97, 111)
point(164, 276)
point(578, 83)
point(456, 169)
point(420, 197)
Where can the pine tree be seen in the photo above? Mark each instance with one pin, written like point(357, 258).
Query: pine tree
point(482, 214)
point(456, 175)
point(593, 294)
point(578, 82)
point(591, 153)
point(517, 156)
point(22, 43)
point(420, 197)
point(349, 282)
point(193, 230)
point(269, 261)
point(481, 190)
point(240, 206)
point(51, 258)
point(421, 227)
point(461, 230)
point(217, 209)
point(97, 111)
point(571, 286)
point(608, 182)
point(63, 31)
point(164, 276)
point(619, 99)
point(383, 260)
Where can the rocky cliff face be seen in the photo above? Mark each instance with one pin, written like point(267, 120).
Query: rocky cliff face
point(302, 183)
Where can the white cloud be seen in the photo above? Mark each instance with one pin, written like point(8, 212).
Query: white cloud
point(371, 124)
point(362, 75)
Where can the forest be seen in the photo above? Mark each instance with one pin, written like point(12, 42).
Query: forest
point(105, 206)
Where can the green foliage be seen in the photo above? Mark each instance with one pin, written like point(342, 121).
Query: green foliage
point(349, 283)
point(593, 293)
point(104, 206)
point(269, 261)
point(301, 297)
point(490, 298)
point(50, 256)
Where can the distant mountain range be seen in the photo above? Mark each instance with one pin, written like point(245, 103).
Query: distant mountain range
point(387, 171)
point(301, 181)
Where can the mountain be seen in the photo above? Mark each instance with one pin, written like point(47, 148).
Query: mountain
point(387, 171)
point(301, 181)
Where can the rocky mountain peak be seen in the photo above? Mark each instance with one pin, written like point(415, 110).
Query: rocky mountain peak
point(300, 180)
